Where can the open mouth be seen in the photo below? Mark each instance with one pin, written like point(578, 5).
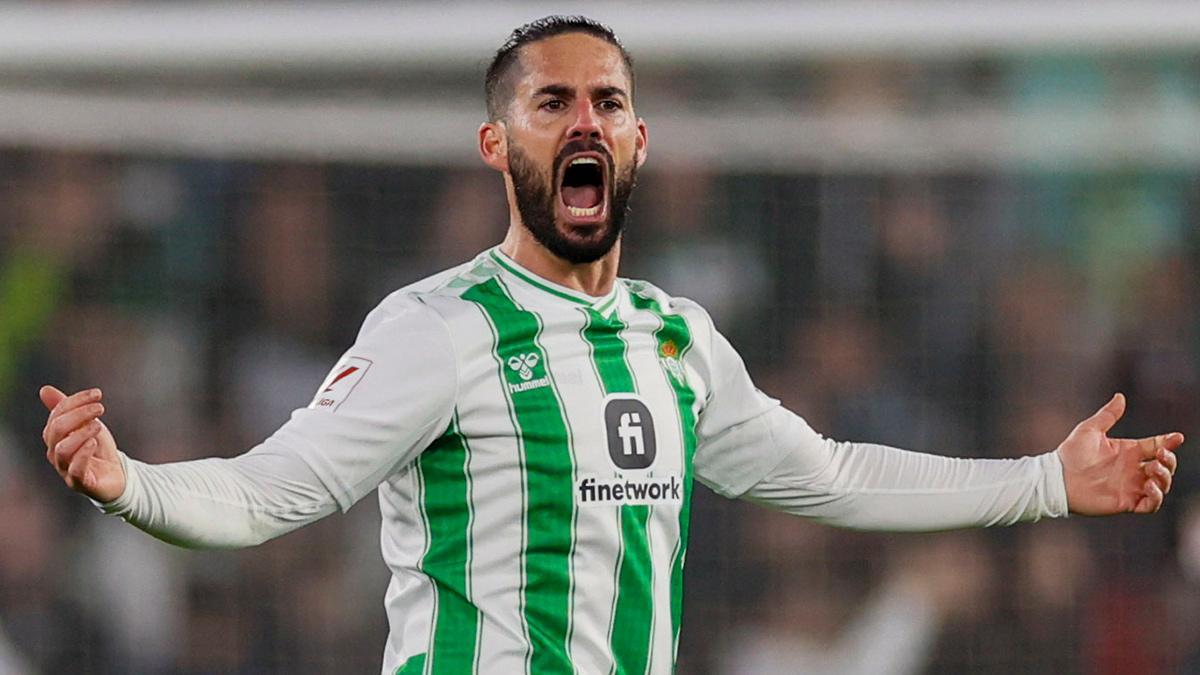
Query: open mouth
point(582, 188)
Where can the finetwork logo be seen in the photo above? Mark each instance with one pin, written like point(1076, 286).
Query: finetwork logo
point(648, 490)
point(632, 446)
point(524, 366)
point(630, 429)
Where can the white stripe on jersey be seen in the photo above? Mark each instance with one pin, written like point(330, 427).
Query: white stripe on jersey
point(409, 600)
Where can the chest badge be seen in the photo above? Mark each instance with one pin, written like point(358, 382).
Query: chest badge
point(668, 356)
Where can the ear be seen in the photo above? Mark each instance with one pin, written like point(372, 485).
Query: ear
point(493, 145)
point(642, 140)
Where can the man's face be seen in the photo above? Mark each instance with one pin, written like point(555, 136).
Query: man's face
point(574, 144)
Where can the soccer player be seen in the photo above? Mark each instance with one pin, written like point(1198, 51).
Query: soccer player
point(534, 423)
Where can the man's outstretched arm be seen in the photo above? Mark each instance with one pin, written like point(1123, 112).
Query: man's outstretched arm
point(750, 447)
point(206, 503)
point(868, 486)
point(376, 412)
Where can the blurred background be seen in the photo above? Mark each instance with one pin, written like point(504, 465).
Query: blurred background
point(953, 227)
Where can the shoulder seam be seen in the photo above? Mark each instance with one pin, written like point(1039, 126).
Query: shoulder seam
point(464, 275)
point(419, 289)
point(453, 349)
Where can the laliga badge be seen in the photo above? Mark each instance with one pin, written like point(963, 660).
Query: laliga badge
point(340, 384)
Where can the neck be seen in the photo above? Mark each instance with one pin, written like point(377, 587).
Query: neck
point(594, 278)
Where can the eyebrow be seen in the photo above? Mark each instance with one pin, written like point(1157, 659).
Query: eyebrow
point(564, 91)
point(609, 92)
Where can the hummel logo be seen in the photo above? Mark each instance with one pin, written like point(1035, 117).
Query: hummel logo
point(524, 364)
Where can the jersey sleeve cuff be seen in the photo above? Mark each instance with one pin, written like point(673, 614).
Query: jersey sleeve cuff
point(1053, 487)
point(123, 504)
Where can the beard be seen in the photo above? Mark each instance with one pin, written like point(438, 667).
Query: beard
point(537, 195)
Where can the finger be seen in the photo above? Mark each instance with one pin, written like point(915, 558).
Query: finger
point(77, 471)
point(50, 396)
point(65, 423)
point(1148, 447)
point(1168, 459)
point(64, 403)
point(1107, 416)
point(75, 400)
point(60, 455)
point(1152, 499)
point(1172, 440)
point(1159, 474)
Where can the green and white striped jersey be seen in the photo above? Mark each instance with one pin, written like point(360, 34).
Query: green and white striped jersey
point(543, 527)
point(534, 451)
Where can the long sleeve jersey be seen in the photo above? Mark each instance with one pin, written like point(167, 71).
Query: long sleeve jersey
point(534, 451)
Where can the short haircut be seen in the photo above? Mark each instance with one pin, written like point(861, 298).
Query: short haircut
point(497, 86)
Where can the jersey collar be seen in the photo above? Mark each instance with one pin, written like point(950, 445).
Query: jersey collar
point(604, 304)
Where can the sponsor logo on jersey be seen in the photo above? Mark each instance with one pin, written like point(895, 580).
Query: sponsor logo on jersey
point(523, 364)
point(530, 373)
point(630, 431)
point(629, 490)
point(342, 380)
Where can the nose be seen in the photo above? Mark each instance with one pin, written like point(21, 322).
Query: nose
point(585, 125)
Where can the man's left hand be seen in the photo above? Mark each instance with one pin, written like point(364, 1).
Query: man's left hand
point(1116, 475)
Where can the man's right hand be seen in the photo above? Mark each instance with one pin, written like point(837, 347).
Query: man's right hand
point(79, 446)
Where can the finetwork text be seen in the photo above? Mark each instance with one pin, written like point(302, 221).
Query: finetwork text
point(649, 490)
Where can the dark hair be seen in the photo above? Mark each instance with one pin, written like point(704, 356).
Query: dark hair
point(498, 90)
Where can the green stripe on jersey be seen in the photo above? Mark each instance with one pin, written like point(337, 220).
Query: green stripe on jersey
point(674, 340)
point(448, 510)
point(608, 352)
point(548, 470)
point(633, 616)
point(415, 665)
